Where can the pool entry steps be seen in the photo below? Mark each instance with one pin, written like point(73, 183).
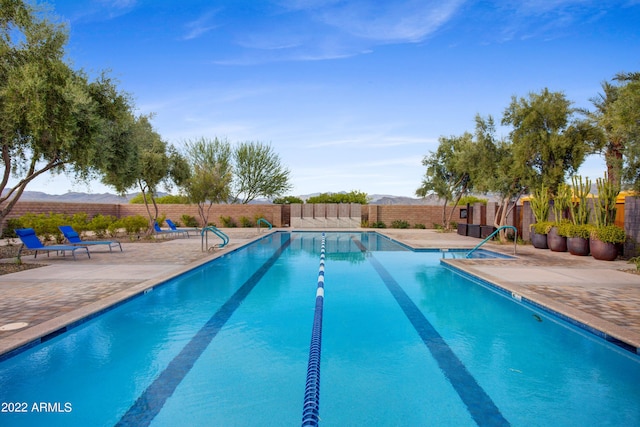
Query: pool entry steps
point(205, 238)
point(489, 237)
point(311, 407)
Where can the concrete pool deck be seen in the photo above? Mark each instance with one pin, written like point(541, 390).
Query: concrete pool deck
point(596, 293)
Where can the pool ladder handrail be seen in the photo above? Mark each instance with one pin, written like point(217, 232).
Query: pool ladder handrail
point(205, 237)
point(267, 223)
point(515, 239)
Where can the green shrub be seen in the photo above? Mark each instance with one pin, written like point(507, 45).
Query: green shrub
point(189, 221)
point(45, 225)
point(134, 224)
point(364, 223)
point(99, 224)
point(400, 223)
point(378, 224)
point(465, 200)
point(636, 261)
point(568, 229)
point(420, 226)
point(12, 224)
point(350, 197)
point(609, 234)
point(287, 200)
point(245, 222)
point(228, 222)
point(169, 199)
point(542, 227)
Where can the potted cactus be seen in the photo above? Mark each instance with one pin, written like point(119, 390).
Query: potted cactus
point(540, 208)
point(606, 236)
point(561, 202)
point(578, 231)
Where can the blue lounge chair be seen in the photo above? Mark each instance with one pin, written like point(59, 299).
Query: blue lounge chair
point(32, 243)
point(173, 227)
point(74, 239)
point(159, 230)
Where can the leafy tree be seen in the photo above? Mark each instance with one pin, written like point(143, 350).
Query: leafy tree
point(617, 113)
point(50, 115)
point(169, 199)
point(287, 200)
point(627, 111)
point(548, 143)
point(613, 138)
point(151, 162)
point(258, 172)
point(211, 173)
point(447, 173)
point(495, 170)
point(353, 196)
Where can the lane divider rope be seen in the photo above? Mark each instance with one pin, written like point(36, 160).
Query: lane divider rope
point(311, 408)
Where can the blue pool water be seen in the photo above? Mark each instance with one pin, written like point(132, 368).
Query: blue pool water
point(405, 341)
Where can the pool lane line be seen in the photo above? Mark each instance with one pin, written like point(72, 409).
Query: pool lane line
point(311, 408)
point(151, 401)
point(482, 409)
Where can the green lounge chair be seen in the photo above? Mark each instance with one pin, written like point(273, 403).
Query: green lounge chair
point(31, 242)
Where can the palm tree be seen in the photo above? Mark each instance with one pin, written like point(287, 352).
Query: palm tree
point(604, 118)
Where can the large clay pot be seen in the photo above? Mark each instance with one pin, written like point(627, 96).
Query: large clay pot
point(539, 241)
point(556, 242)
point(578, 246)
point(603, 251)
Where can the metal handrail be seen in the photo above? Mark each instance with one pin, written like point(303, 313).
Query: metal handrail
point(205, 237)
point(515, 239)
point(267, 223)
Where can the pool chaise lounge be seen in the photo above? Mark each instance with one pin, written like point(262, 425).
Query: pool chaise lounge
point(31, 242)
point(74, 239)
point(173, 227)
point(159, 230)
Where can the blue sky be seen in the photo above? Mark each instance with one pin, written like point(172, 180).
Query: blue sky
point(351, 94)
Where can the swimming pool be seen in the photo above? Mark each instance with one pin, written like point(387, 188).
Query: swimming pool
point(405, 341)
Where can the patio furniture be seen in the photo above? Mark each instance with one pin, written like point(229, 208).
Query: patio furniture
point(31, 242)
point(74, 239)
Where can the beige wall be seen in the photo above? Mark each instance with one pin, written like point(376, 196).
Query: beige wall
point(414, 214)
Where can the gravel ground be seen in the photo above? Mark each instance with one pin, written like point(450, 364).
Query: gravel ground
point(8, 256)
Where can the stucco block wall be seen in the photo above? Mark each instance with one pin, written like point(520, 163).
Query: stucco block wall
point(429, 216)
point(632, 226)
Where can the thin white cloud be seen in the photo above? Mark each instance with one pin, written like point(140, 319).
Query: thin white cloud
point(200, 26)
point(390, 22)
point(315, 30)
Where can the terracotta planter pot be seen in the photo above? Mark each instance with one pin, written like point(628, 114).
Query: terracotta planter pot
point(603, 251)
point(578, 246)
point(539, 241)
point(556, 242)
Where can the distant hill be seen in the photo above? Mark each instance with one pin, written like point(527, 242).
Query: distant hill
point(74, 197)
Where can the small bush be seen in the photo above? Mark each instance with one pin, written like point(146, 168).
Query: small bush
point(420, 226)
point(245, 222)
point(189, 221)
point(99, 224)
point(228, 222)
point(400, 223)
point(378, 224)
point(134, 224)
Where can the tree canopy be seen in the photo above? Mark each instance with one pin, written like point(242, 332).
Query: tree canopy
point(52, 119)
point(211, 173)
point(258, 172)
point(549, 144)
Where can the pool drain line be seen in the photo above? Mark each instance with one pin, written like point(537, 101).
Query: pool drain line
point(311, 409)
